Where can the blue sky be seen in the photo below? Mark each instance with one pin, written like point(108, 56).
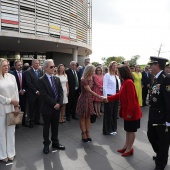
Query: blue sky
point(130, 27)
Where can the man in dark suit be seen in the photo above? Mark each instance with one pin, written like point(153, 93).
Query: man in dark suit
point(21, 83)
point(74, 90)
point(32, 75)
point(145, 84)
point(86, 62)
point(52, 98)
point(159, 112)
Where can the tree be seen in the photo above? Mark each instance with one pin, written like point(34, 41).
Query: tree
point(133, 60)
point(118, 59)
point(95, 63)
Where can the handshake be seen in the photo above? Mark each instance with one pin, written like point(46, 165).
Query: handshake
point(104, 99)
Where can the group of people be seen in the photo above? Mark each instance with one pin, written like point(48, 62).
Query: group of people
point(71, 93)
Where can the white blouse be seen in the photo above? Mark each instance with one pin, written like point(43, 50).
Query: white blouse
point(109, 84)
point(8, 91)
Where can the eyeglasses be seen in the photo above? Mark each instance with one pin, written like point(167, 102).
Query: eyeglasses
point(52, 67)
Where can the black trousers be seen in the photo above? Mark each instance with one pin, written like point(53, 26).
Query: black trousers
point(34, 107)
point(160, 141)
point(110, 117)
point(144, 94)
point(53, 121)
point(72, 103)
point(22, 103)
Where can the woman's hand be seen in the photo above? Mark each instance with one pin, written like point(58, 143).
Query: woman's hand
point(103, 98)
point(128, 116)
point(14, 102)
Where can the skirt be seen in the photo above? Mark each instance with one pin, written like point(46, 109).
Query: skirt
point(131, 126)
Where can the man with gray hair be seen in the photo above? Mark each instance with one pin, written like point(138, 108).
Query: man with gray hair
point(86, 62)
point(52, 98)
point(74, 90)
point(32, 75)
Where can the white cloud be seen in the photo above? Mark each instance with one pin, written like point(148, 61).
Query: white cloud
point(127, 28)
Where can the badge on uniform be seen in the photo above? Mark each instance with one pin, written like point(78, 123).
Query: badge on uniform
point(156, 88)
point(168, 88)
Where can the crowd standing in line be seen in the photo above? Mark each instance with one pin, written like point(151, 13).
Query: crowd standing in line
point(80, 83)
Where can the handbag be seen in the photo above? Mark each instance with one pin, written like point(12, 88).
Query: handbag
point(93, 118)
point(14, 120)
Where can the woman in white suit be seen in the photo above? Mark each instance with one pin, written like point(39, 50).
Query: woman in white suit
point(9, 102)
point(111, 85)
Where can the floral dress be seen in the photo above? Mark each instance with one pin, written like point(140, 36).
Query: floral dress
point(85, 101)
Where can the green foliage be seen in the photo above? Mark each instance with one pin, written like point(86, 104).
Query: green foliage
point(133, 60)
point(95, 63)
point(118, 59)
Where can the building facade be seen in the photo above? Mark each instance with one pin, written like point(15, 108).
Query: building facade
point(42, 29)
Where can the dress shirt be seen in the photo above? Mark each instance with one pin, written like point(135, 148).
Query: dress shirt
point(109, 84)
point(74, 72)
point(49, 78)
point(158, 74)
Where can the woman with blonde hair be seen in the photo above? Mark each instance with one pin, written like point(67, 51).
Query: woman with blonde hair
point(85, 106)
point(9, 102)
point(137, 75)
point(111, 85)
point(64, 82)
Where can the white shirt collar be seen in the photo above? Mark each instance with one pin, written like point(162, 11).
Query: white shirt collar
point(158, 74)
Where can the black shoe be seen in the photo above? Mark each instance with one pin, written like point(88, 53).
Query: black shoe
point(39, 123)
point(58, 146)
point(85, 140)
point(89, 139)
point(68, 119)
point(17, 127)
point(46, 149)
point(154, 158)
point(74, 117)
point(25, 124)
point(106, 133)
point(31, 125)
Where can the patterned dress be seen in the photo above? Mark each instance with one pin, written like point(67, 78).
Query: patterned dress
point(98, 87)
point(85, 101)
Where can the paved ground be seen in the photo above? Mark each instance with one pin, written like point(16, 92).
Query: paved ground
point(101, 154)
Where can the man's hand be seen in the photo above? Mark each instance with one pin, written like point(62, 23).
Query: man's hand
point(14, 102)
point(57, 106)
point(37, 93)
point(21, 92)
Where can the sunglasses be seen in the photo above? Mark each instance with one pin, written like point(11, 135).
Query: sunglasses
point(52, 67)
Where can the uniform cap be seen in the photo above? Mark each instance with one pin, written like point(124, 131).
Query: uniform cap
point(159, 60)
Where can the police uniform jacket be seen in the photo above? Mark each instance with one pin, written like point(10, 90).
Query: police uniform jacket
point(159, 111)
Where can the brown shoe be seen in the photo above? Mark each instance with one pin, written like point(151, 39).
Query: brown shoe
point(11, 159)
point(5, 160)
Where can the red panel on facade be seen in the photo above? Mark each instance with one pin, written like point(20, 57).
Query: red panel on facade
point(9, 22)
point(64, 37)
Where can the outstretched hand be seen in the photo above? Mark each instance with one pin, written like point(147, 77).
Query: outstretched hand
point(104, 99)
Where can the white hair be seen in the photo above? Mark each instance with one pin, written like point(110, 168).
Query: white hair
point(45, 64)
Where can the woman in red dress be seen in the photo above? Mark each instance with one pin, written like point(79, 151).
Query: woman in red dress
point(85, 106)
point(98, 88)
point(130, 110)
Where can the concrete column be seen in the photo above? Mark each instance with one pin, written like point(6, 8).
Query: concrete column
point(17, 56)
point(75, 54)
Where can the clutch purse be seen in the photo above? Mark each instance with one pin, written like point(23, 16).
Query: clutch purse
point(14, 120)
point(93, 118)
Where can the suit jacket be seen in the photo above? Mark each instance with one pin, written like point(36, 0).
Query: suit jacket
point(72, 81)
point(32, 82)
point(81, 71)
point(17, 80)
point(129, 104)
point(159, 111)
point(47, 95)
point(145, 79)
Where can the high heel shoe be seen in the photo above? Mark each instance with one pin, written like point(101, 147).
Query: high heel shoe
point(84, 139)
point(5, 160)
point(128, 153)
point(121, 150)
point(88, 138)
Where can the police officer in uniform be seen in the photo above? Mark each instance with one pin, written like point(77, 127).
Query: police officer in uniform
point(159, 112)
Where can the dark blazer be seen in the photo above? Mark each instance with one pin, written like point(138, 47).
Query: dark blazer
point(159, 111)
point(145, 79)
point(71, 81)
point(47, 95)
point(81, 71)
point(32, 82)
point(17, 80)
point(129, 104)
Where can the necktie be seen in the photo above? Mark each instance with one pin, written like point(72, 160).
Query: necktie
point(36, 73)
point(54, 88)
point(20, 79)
point(117, 85)
point(76, 80)
point(154, 80)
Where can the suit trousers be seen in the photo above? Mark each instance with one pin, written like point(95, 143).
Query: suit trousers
point(53, 121)
point(34, 109)
point(160, 141)
point(72, 103)
point(7, 139)
point(144, 94)
point(22, 103)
